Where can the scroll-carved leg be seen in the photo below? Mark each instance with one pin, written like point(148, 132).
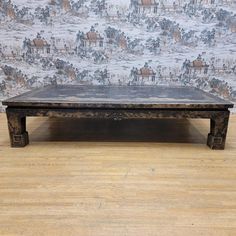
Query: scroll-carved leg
point(217, 136)
point(17, 129)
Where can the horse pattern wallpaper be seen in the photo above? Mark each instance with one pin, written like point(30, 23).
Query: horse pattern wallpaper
point(121, 42)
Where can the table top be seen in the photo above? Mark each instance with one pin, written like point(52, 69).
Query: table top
point(99, 96)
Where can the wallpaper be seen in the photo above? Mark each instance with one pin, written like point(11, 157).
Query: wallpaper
point(125, 42)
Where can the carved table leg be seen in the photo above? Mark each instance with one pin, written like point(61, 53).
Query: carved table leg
point(217, 136)
point(17, 129)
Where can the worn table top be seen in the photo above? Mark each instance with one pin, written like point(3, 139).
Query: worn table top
point(88, 96)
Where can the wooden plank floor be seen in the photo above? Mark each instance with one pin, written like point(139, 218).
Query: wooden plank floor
point(79, 178)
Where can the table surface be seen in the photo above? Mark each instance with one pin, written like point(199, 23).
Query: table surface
point(99, 96)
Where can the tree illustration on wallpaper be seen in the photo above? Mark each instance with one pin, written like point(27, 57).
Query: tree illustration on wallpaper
point(134, 42)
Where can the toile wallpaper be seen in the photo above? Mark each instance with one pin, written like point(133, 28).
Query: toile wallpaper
point(128, 42)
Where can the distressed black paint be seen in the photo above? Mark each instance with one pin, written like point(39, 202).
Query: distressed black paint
point(117, 102)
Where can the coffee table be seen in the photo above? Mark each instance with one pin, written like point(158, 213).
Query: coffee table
point(117, 103)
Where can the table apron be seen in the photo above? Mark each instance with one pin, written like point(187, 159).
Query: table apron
point(118, 114)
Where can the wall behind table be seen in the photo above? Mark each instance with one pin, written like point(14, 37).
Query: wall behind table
point(118, 42)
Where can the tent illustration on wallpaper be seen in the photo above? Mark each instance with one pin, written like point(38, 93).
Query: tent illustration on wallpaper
point(37, 45)
point(144, 74)
point(199, 65)
point(90, 39)
point(142, 6)
point(147, 5)
point(108, 42)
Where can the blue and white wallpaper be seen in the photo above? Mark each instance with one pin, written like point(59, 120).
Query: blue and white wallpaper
point(128, 42)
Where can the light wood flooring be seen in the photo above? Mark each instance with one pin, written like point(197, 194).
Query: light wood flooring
point(124, 178)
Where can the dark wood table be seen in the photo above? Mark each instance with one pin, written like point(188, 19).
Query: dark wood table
point(118, 102)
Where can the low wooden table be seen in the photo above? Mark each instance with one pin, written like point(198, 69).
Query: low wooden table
point(118, 102)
